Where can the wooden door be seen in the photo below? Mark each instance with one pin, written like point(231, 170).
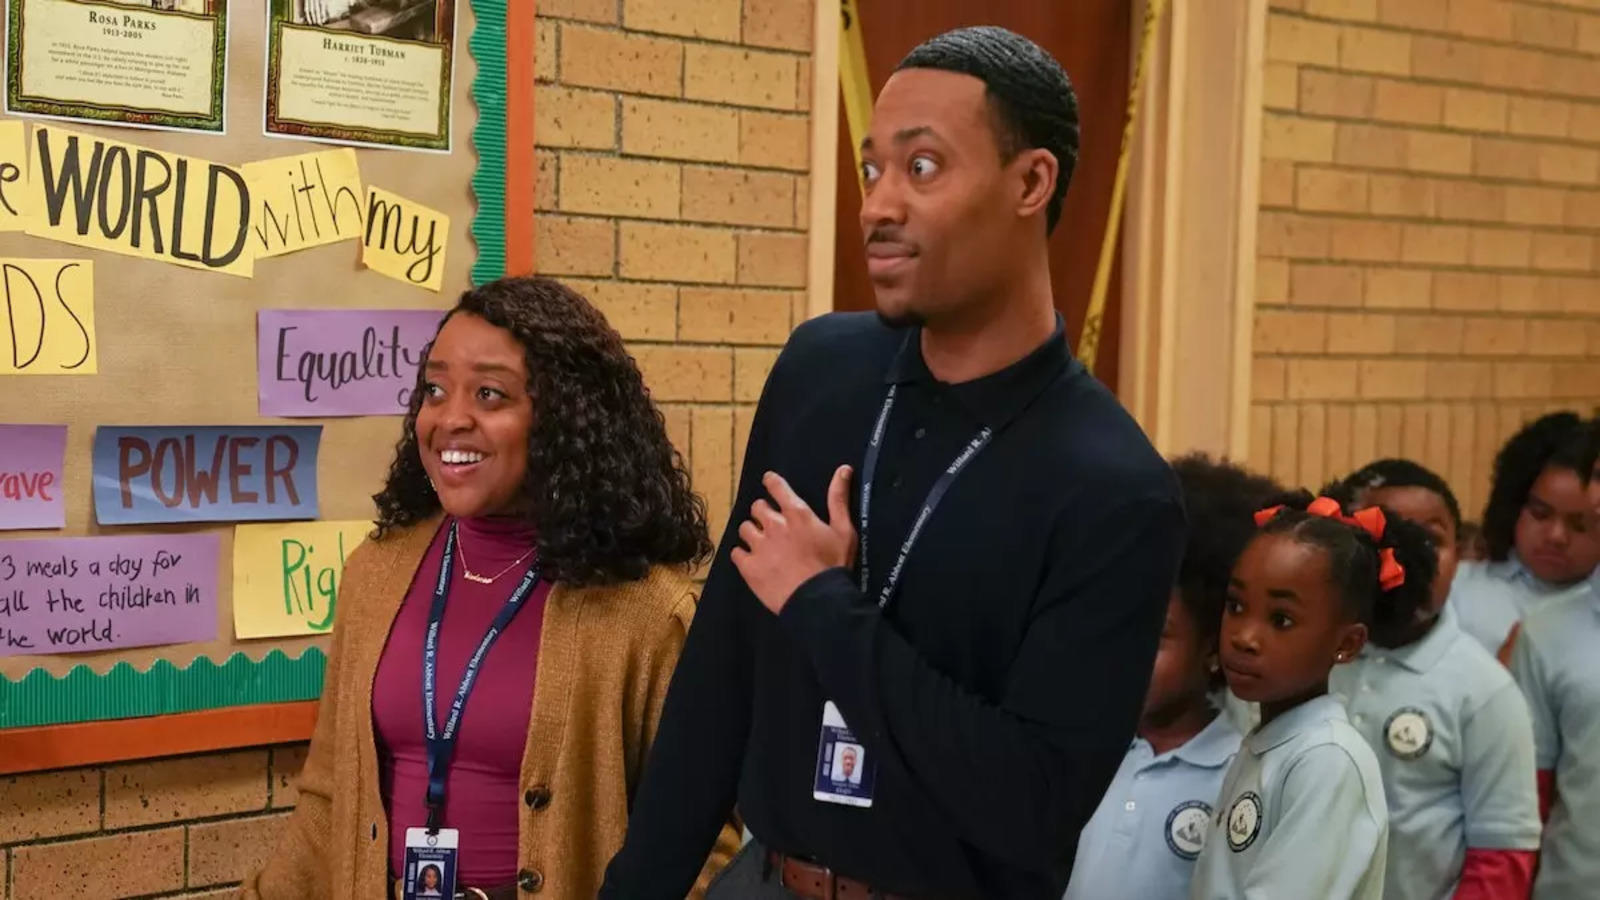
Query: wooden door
point(1092, 39)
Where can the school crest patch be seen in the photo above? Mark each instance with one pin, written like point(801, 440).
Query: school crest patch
point(1408, 733)
point(1244, 821)
point(1186, 828)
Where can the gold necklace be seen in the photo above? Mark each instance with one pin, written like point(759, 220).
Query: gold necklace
point(467, 573)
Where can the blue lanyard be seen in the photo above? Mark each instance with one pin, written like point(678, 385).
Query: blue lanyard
point(442, 744)
point(869, 470)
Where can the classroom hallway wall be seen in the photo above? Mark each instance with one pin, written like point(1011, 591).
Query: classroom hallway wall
point(1427, 277)
point(673, 160)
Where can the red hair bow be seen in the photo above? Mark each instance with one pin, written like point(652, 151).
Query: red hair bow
point(1371, 520)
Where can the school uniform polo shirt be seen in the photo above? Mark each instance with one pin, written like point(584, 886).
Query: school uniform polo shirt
point(1455, 744)
point(1151, 825)
point(1557, 662)
point(1301, 813)
point(1491, 597)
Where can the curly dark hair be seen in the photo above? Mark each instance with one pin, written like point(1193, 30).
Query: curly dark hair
point(608, 491)
point(1030, 95)
point(1221, 500)
point(1353, 564)
point(1559, 440)
point(1382, 473)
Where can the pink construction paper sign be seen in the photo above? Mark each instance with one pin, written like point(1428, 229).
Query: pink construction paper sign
point(340, 362)
point(30, 476)
point(75, 595)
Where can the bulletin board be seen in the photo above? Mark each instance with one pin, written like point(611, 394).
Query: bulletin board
point(177, 346)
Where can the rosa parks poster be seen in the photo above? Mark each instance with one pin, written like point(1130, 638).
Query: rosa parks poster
point(144, 63)
point(372, 72)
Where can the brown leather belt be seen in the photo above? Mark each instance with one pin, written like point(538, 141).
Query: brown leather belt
point(817, 882)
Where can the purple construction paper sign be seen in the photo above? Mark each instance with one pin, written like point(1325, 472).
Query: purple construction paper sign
point(340, 362)
point(74, 595)
point(30, 476)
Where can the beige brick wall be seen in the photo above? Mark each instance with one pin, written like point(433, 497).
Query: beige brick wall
point(673, 163)
point(187, 827)
point(1429, 243)
point(673, 192)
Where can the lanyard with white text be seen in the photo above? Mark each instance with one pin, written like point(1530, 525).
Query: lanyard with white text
point(869, 470)
point(442, 744)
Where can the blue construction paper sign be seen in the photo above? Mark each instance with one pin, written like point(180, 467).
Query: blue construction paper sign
point(248, 473)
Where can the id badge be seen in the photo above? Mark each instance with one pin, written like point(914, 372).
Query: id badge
point(430, 872)
point(845, 773)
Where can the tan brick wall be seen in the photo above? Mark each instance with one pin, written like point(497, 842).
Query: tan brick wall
point(185, 827)
point(1429, 241)
point(673, 157)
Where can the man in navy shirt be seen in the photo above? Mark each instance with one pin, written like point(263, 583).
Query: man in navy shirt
point(951, 547)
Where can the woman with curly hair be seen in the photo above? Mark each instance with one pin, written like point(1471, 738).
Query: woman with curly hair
point(504, 643)
point(1540, 530)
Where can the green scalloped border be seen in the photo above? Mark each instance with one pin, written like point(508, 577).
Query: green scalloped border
point(488, 48)
point(124, 692)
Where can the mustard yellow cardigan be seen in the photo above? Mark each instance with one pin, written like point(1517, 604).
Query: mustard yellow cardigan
point(606, 655)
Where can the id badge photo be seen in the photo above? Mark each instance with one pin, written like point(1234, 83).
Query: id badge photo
point(430, 872)
point(845, 772)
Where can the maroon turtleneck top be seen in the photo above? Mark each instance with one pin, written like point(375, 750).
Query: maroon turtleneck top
point(483, 786)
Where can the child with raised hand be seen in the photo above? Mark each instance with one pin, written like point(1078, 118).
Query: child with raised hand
point(1556, 661)
point(1539, 529)
point(1302, 811)
point(1150, 825)
point(1450, 729)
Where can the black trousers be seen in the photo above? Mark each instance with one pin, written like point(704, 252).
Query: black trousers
point(747, 878)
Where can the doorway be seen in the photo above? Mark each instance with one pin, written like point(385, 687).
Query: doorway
point(1092, 39)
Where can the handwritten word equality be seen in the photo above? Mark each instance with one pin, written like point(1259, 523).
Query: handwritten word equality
point(382, 358)
point(340, 362)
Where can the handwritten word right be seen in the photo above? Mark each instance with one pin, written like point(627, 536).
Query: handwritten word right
point(286, 576)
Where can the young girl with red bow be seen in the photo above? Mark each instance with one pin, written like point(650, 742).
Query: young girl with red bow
point(1302, 811)
point(1449, 726)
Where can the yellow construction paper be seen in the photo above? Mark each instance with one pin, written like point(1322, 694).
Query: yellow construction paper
point(404, 239)
point(13, 176)
point(49, 326)
point(91, 191)
point(303, 201)
point(286, 575)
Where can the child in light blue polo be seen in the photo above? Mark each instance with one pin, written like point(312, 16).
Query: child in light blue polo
point(1556, 660)
point(1302, 812)
point(1151, 824)
point(1490, 597)
point(1539, 530)
point(1450, 727)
